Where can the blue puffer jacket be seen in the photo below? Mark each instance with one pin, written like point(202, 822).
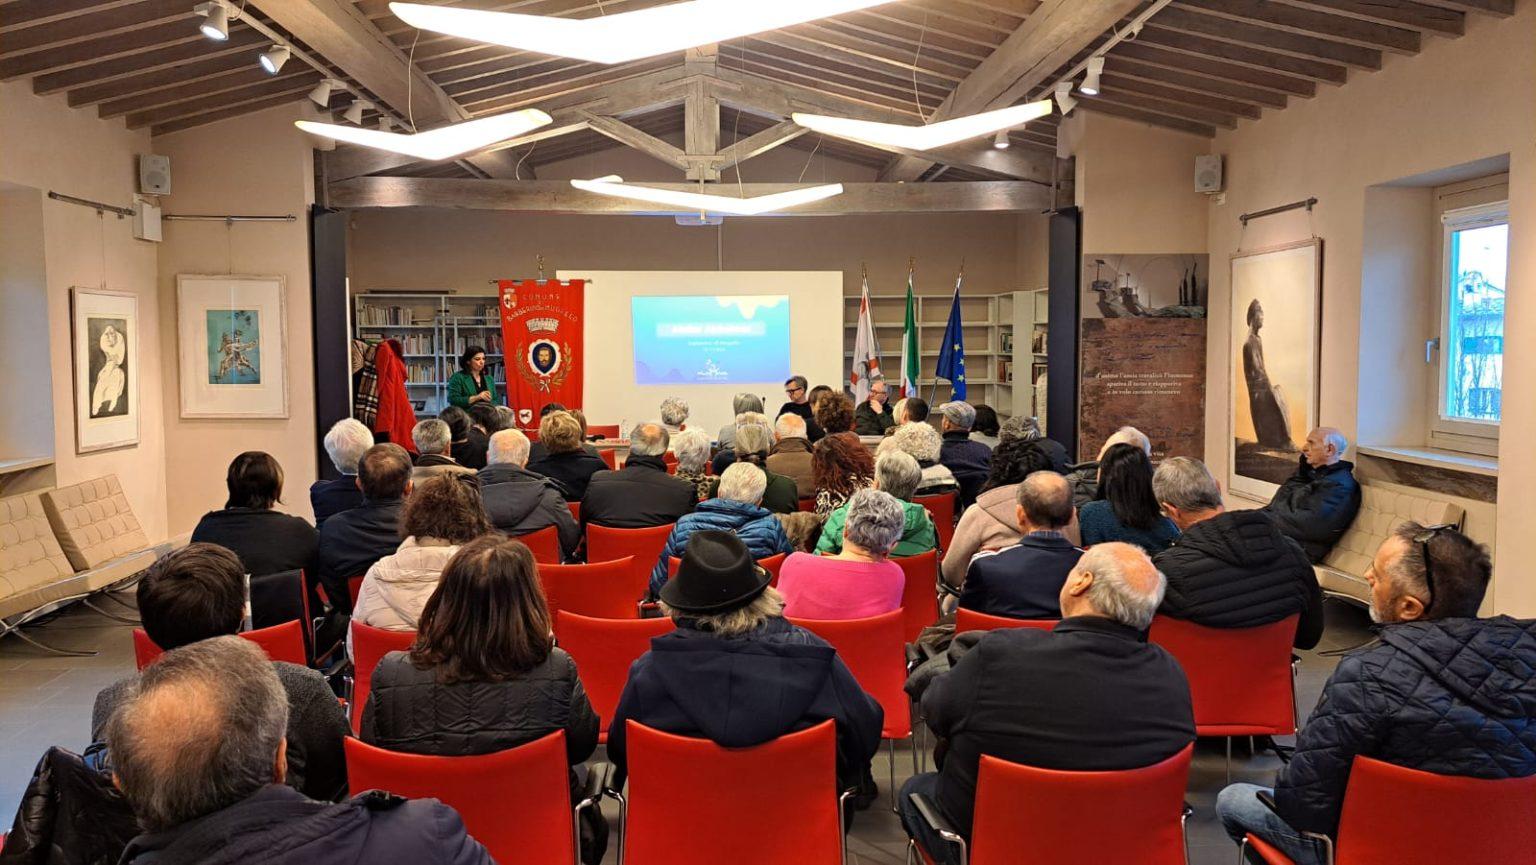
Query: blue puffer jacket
point(758, 529)
point(1453, 697)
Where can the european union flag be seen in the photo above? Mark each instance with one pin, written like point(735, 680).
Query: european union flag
point(952, 352)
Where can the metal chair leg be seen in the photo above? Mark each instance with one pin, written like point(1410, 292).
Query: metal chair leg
point(1229, 760)
point(53, 650)
point(891, 746)
point(90, 604)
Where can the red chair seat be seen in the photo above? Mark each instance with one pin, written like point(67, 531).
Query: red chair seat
point(607, 431)
point(544, 544)
point(369, 646)
point(1270, 854)
point(807, 504)
point(605, 590)
point(942, 509)
point(603, 650)
point(283, 642)
point(575, 509)
point(609, 456)
point(1240, 679)
point(971, 620)
point(919, 596)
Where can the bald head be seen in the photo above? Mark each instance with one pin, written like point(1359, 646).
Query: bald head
point(1044, 502)
point(649, 440)
point(1325, 446)
point(1116, 581)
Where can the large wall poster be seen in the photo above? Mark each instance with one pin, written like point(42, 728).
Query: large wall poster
point(231, 332)
point(1273, 354)
point(105, 325)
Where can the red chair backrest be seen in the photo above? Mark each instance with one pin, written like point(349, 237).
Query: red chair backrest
point(773, 564)
point(544, 544)
point(530, 781)
point(872, 648)
point(919, 595)
point(369, 646)
point(607, 431)
point(942, 509)
point(1454, 819)
point(970, 620)
point(603, 650)
point(355, 587)
point(605, 545)
point(730, 795)
point(575, 509)
point(1046, 815)
point(609, 456)
point(807, 504)
point(606, 590)
point(283, 642)
point(1239, 678)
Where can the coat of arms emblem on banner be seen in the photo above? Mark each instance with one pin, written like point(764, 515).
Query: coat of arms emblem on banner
point(542, 358)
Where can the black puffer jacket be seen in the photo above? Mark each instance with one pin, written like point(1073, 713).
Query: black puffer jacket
point(1316, 505)
point(520, 502)
point(410, 710)
point(1236, 570)
point(70, 815)
point(1084, 478)
point(1453, 697)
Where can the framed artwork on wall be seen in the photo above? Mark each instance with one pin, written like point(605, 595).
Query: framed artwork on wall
point(1273, 354)
point(233, 352)
point(105, 330)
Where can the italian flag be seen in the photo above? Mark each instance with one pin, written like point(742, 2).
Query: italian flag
point(909, 355)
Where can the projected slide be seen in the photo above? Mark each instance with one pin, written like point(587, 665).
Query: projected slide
point(711, 339)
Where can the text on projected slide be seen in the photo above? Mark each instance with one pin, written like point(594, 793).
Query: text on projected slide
point(711, 339)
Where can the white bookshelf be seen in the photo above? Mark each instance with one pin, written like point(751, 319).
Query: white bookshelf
point(433, 327)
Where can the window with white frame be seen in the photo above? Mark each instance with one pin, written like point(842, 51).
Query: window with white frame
point(1474, 277)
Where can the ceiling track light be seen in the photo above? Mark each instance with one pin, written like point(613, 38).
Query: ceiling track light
point(1065, 101)
point(1090, 85)
point(385, 123)
point(215, 19)
point(273, 58)
point(443, 143)
point(321, 95)
point(927, 137)
point(354, 112)
point(698, 202)
point(1000, 141)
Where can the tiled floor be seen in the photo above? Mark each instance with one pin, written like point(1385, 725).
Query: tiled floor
point(46, 700)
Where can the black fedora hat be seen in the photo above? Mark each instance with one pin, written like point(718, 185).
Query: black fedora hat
point(717, 575)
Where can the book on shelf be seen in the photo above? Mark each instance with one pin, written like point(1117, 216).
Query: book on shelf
point(385, 316)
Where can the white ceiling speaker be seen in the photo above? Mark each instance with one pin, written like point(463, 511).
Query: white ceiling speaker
point(216, 19)
point(1064, 98)
point(354, 112)
point(273, 58)
point(1208, 174)
point(1090, 85)
point(321, 95)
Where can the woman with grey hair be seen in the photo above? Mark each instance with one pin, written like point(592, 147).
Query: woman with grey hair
point(923, 442)
point(896, 473)
point(740, 404)
point(754, 440)
point(674, 411)
point(692, 450)
point(860, 580)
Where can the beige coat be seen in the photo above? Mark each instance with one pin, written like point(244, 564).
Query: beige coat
point(396, 588)
point(988, 524)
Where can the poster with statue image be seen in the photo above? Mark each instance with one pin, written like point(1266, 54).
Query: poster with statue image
point(105, 325)
point(1274, 342)
point(232, 346)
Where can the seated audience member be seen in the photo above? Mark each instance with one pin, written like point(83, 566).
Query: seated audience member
point(986, 428)
point(1028, 429)
point(992, 523)
point(841, 466)
point(434, 446)
point(800, 404)
point(923, 443)
point(736, 672)
point(897, 474)
point(266, 540)
point(674, 411)
point(1090, 695)
point(691, 448)
point(913, 410)
point(565, 461)
point(803, 529)
point(353, 540)
point(1024, 581)
point(859, 580)
point(345, 444)
point(727, 455)
point(736, 508)
point(740, 404)
point(968, 460)
point(197, 593)
point(753, 442)
point(487, 421)
point(1443, 692)
point(441, 515)
point(537, 453)
point(1231, 569)
point(1126, 508)
point(519, 502)
point(791, 455)
point(485, 646)
point(198, 750)
point(834, 413)
point(1085, 476)
point(874, 415)
point(1317, 504)
point(460, 446)
point(641, 494)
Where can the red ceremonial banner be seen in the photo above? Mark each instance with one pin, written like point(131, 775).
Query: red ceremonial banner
point(541, 332)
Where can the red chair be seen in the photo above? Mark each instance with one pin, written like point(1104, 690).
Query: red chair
point(283, 642)
point(605, 590)
point(874, 652)
point(355, 587)
point(970, 620)
point(1241, 680)
point(607, 431)
point(530, 781)
point(773, 564)
point(919, 597)
point(1025, 814)
point(544, 544)
point(575, 509)
point(369, 646)
point(730, 795)
point(609, 456)
point(670, 459)
point(942, 509)
point(1454, 819)
point(645, 545)
point(532, 434)
point(807, 504)
point(603, 650)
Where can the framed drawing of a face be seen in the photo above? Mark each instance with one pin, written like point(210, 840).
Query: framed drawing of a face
point(105, 329)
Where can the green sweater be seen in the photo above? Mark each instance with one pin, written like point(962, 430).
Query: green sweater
point(461, 386)
point(917, 536)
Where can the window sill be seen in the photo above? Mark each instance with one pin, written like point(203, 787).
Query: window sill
point(1435, 458)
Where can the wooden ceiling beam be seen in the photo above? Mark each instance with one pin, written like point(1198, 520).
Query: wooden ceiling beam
point(1128, 112)
point(30, 13)
point(1164, 58)
point(636, 139)
point(171, 61)
point(1126, 68)
point(223, 112)
point(1282, 42)
point(1229, 107)
point(884, 65)
point(1201, 115)
point(579, 87)
point(1403, 13)
point(204, 88)
point(132, 44)
point(1310, 22)
point(833, 35)
point(758, 143)
point(1496, 8)
point(260, 92)
point(882, 83)
point(226, 63)
point(1257, 58)
point(110, 21)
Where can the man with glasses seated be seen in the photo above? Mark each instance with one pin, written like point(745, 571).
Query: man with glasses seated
point(797, 389)
point(1444, 692)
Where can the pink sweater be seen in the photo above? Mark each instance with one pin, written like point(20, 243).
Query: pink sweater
point(816, 587)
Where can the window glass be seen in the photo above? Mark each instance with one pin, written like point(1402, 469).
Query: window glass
point(1474, 357)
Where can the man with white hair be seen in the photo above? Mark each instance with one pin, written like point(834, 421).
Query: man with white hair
point(874, 416)
point(674, 411)
point(1085, 476)
point(641, 494)
point(517, 500)
point(736, 508)
point(791, 455)
point(740, 404)
point(434, 447)
point(346, 443)
point(968, 459)
point(1231, 569)
point(1089, 695)
point(1318, 503)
